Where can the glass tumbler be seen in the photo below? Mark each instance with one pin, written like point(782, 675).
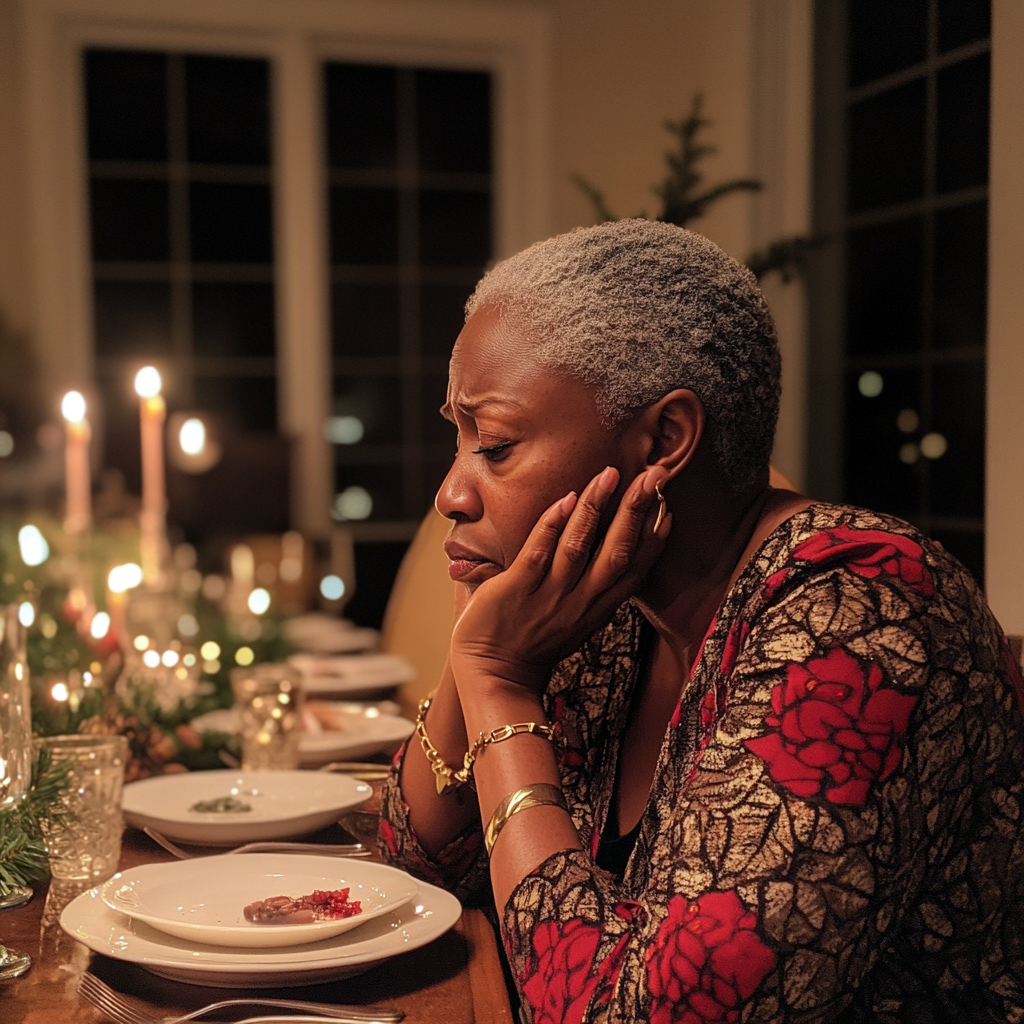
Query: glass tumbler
point(16, 752)
point(269, 702)
point(85, 845)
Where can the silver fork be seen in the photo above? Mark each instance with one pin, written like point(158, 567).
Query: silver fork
point(337, 850)
point(121, 1011)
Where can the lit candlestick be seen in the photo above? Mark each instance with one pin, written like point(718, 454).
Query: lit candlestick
point(152, 412)
point(78, 487)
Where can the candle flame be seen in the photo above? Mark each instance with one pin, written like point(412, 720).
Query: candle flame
point(148, 382)
point(73, 407)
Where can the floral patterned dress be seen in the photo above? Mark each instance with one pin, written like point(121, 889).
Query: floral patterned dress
point(835, 827)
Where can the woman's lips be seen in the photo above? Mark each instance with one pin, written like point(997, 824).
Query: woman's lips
point(459, 568)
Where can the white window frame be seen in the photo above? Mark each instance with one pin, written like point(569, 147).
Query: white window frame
point(513, 43)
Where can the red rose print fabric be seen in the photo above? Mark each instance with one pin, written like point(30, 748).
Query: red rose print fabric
point(835, 728)
point(869, 553)
point(706, 961)
point(561, 979)
point(842, 777)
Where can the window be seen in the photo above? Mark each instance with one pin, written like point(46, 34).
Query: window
point(409, 151)
point(180, 194)
point(903, 194)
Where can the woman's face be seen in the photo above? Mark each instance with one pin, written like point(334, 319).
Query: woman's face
point(526, 438)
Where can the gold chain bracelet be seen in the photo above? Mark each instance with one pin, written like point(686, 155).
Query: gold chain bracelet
point(448, 779)
point(540, 794)
point(505, 732)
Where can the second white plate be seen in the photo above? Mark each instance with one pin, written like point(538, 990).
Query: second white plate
point(280, 805)
point(89, 920)
point(203, 899)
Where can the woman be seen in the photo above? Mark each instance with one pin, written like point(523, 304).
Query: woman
point(765, 756)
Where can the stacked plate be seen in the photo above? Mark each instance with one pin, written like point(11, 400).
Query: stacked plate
point(228, 808)
point(185, 920)
point(339, 730)
point(352, 675)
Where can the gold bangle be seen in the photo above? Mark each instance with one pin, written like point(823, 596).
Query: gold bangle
point(446, 778)
point(540, 794)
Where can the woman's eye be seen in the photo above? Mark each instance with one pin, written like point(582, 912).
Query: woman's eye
point(494, 452)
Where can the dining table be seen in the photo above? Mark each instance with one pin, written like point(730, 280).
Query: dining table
point(456, 979)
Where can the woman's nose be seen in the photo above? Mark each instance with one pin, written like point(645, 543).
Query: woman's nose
point(458, 499)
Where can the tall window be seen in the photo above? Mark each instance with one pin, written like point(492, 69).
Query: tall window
point(182, 243)
point(910, 313)
point(409, 151)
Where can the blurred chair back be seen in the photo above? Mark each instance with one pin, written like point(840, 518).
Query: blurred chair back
point(418, 620)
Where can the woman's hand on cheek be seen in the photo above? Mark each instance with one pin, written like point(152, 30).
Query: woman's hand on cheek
point(563, 585)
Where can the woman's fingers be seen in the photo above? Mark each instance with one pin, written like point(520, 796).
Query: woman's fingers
point(534, 560)
point(631, 533)
point(576, 547)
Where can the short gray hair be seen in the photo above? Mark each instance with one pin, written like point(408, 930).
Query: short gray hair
point(638, 308)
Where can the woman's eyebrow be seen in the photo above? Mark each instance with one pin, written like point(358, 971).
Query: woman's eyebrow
point(472, 408)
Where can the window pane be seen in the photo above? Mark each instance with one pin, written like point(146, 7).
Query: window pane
point(232, 319)
point(376, 568)
point(876, 474)
point(230, 223)
point(383, 483)
point(886, 158)
point(455, 228)
point(375, 402)
point(121, 440)
point(958, 477)
point(436, 429)
point(884, 266)
point(132, 318)
point(364, 319)
point(963, 21)
point(364, 225)
point(961, 275)
point(129, 220)
point(453, 121)
point(247, 403)
point(968, 547)
point(362, 129)
point(442, 311)
point(228, 110)
point(961, 155)
point(126, 101)
point(885, 36)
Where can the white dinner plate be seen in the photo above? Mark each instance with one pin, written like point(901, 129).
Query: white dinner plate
point(203, 899)
point(351, 675)
point(360, 731)
point(106, 931)
point(327, 634)
point(281, 804)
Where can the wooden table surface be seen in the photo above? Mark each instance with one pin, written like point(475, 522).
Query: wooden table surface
point(457, 979)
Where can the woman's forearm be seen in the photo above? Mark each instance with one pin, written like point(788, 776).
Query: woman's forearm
point(436, 819)
point(533, 835)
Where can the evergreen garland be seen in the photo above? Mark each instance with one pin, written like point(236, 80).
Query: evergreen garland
point(23, 856)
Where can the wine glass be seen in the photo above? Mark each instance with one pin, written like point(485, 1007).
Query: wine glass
point(16, 749)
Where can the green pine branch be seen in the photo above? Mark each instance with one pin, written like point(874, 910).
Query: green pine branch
point(682, 200)
point(684, 197)
point(22, 850)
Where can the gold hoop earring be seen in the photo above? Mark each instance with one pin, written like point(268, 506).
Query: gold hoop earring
point(661, 508)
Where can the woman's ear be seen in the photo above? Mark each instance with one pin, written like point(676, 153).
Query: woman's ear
point(675, 425)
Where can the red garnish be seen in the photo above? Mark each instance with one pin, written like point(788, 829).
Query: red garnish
point(319, 905)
